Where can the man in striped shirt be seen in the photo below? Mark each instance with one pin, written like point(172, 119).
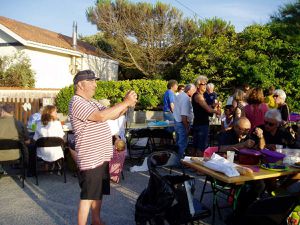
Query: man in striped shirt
point(93, 142)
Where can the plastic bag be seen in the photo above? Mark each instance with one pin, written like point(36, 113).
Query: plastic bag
point(222, 165)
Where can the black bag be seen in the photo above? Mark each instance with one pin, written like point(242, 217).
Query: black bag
point(165, 198)
point(184, 188)
point(154, 201)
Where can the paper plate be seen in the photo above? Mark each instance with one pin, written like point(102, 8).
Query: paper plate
point(274, 167)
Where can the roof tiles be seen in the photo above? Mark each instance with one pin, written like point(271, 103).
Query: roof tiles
point(40, 35)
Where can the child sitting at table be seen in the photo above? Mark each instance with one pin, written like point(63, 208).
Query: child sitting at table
point(227, 118)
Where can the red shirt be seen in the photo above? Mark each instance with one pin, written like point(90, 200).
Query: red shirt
point(93, 140)
point(256, 114)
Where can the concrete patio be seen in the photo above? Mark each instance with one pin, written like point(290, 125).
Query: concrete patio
point(55, 202)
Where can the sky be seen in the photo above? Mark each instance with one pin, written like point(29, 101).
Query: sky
point(58, 15)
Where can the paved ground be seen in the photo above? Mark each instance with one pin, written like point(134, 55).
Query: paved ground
point(54, 202)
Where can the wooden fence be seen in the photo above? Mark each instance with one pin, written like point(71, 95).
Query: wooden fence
point(27, 100)
point(24, 108)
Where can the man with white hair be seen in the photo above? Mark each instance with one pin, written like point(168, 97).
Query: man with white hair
point(183, 117)
point(210, 96)
point(271, 133)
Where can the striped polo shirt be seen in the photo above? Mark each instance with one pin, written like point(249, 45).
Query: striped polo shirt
point(93, 140)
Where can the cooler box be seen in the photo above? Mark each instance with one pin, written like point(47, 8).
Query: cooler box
point(269, 156)
point(249, 156)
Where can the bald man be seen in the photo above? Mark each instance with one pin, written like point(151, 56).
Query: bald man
point(238, 137)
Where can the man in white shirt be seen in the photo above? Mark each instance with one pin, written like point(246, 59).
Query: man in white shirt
point(183, 115)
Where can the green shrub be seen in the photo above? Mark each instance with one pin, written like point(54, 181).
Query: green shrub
point(15, 71)
point(150, 93)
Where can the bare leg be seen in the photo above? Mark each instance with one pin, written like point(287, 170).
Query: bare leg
point(83, 211)
point(96, 208)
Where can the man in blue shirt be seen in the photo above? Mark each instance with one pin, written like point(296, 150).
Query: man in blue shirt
point(169, 99)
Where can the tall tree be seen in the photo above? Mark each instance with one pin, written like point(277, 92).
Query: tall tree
point(286, 22)
point(212, 54)
point(142, 36)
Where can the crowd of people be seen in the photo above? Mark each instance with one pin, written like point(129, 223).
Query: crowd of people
point(248, 120)
point(192, 109)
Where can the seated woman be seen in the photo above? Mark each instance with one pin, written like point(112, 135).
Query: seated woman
point(280, 96)
point(49, 127)
point(271, 133)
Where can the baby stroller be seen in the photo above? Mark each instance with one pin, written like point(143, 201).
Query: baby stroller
point(168, 199)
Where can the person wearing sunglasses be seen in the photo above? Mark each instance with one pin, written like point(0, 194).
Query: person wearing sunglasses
point(271, 133)
point(236, 138)
point(202, 112)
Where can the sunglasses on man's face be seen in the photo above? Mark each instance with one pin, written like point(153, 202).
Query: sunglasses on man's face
point(244, 130)
point(202, 84)
point(275, 96)
point(269, 123)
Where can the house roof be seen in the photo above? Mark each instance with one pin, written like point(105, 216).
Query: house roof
point(43, 36)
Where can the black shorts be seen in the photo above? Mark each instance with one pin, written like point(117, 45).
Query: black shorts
point(94, 183)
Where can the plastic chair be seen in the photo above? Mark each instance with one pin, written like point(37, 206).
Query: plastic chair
point(133, 137)
point(165, 200)
point(51, 142)
point(11, 152)
point(270, 211)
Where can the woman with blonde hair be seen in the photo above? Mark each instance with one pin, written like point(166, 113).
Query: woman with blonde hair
point(202, 111)
point(256, 108)
point(239, 103)
point(49, 127)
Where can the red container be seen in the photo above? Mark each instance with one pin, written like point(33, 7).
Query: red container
point(249, 156)
point(271, 156)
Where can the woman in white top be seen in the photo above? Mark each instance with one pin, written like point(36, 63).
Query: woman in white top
point(49, 127)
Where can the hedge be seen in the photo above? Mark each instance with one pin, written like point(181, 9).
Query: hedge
point(150, 93)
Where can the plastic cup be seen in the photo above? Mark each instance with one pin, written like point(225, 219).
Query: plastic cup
point(33, 126)
point(230, 156)
point(279, 148)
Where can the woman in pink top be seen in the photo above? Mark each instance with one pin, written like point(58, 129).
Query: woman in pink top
point(256, 108)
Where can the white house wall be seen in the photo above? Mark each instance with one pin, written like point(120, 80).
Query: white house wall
point(106, 69)
point(52, 70)
point(9, 50)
